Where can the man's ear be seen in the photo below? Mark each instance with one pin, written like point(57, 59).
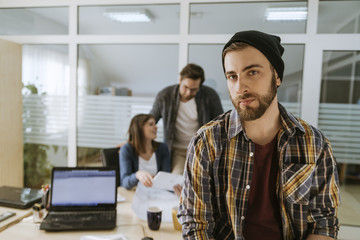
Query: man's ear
point(278, 80)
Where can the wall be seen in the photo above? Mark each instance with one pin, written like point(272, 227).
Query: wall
point(11, 143)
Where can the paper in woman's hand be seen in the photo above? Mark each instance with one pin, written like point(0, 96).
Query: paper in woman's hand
point(167, 181)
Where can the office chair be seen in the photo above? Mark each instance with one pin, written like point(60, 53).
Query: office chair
point(110, 158)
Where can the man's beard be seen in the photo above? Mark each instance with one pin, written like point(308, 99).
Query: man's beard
point(187, 98)
point(249, 113)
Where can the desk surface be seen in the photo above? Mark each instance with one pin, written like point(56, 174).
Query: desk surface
point(127, 223)
point(20, 214)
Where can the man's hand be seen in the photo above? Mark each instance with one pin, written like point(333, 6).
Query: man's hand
point(318, 237)
point(177, 189)
point(121, 144)
point(145, 178)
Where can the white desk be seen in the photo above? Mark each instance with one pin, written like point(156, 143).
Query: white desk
point(20, 214)
point(127, 223)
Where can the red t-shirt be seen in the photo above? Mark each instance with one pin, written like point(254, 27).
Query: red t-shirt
point(263, 220)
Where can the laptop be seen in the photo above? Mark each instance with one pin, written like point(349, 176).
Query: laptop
point(16, 197)
point(81, 198)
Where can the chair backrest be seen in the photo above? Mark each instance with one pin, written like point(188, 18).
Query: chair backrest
point(110, 158)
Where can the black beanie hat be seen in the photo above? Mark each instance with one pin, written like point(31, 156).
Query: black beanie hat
point(268, 44)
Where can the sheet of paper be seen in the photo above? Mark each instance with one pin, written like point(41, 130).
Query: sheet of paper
point(167, 181)
point(103, 237)
point(152, 197)
point(120, 198)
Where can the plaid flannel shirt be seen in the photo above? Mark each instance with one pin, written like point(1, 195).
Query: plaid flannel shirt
point(219, 167)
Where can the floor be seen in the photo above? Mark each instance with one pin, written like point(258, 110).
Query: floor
point(349, 212)
point(349, 233)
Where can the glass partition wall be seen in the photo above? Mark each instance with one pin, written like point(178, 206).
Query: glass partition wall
point(106, 61)
point(45, 77)
point(230, 17)
point(339, 119)
point(115, 82)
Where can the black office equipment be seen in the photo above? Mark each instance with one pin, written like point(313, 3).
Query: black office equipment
point(19, 197)
point(82, 198)
point(110, 158)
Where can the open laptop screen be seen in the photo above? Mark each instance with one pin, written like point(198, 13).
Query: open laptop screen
point(76, 187)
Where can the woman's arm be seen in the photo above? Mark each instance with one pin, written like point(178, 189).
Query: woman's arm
point(127, 170)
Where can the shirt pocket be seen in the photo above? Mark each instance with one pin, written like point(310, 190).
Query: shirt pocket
point(297, 181)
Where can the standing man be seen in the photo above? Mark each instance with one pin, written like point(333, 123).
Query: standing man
point(258, 172)
point(184, 108)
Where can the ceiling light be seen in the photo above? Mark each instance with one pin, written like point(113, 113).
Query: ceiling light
point(129, 15)
point(286, 14)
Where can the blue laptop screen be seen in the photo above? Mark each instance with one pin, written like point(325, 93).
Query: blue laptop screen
point(83, 187)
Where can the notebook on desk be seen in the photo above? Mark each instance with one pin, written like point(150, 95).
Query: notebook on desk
point(19, 197)
point(82, 198)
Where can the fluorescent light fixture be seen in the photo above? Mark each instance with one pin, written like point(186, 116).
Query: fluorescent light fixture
point(128, 15)
point(287, 14)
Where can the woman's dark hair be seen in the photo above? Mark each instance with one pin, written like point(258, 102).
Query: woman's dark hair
point(136, 133)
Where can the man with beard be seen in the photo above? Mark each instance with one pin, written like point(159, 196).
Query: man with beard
point(258, 172)
point(184, 108)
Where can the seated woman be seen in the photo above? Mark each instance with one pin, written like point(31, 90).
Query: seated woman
point(142, 157)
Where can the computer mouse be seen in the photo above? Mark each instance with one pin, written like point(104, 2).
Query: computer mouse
point(147, 238)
